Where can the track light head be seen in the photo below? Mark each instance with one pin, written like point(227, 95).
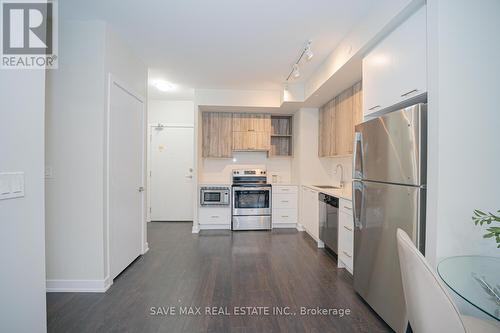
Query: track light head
point(296, 71)
point(308, 53)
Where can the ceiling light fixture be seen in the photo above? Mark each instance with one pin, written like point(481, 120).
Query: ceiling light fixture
point(163, 85)
point(308, 54)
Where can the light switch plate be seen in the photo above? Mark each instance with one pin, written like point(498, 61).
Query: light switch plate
point(11, 185)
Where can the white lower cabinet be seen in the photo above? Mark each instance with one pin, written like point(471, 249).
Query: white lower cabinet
point(215, 217)
point(309, 217)
point(346, 235)
point(284, 203)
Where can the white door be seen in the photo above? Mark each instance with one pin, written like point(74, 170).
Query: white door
point(126, 142)
point(171, 182)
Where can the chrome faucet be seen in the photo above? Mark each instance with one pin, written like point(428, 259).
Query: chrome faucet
point(341, 174)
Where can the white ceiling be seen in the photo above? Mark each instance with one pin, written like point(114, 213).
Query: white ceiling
point(231, 44)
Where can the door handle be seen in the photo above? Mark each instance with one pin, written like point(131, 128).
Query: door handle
point(347, 254)
point(189, 176)
point(347, 228)
point(141, 189)
point(409, 92)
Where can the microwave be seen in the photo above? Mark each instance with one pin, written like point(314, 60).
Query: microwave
point(214, 196)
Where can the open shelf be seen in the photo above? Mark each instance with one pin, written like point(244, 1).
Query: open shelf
point(281, 135)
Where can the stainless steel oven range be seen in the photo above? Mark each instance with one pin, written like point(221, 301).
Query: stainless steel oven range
point(251, 200)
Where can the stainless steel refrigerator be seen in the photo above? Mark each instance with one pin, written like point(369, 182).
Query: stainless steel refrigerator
point(389, 177)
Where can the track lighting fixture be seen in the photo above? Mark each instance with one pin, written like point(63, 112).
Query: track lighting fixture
point(308, 54)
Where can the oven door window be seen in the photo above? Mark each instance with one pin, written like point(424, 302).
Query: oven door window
point(211, 196)
point(251, 199)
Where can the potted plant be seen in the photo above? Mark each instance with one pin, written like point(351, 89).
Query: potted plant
point(481, 218)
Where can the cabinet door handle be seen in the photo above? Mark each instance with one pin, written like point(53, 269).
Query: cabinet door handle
point(284, 216)
point(373, 107)
point(284, 201)
point(215, 216)
point(251, 130)
point(284, 189)
point(348, 228)
point(409, 92)
point(347, 254)
point(348, 208)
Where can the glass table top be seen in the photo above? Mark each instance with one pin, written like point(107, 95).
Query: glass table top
point(476, 279)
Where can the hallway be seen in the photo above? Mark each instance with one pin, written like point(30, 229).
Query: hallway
point(219, 269)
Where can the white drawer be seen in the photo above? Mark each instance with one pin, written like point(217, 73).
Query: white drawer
point(284, 216)
point(285, 201)
point(346, 206)
point(346, 239)
point(211, 215)
point(285, 189)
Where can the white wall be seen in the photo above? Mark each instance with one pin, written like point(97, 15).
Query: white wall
point(22, 229)
point(464, 146)
point(170, 112)
point(74, 152)
point(307, 167)
point(76, 123)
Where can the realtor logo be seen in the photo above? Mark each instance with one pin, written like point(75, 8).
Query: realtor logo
point(29, 34)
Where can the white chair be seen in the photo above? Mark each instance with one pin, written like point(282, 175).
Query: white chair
point(429, 306)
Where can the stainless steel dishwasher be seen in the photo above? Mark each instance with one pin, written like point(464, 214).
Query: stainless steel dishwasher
point(329, 221)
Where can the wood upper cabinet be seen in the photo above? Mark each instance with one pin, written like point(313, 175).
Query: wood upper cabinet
point(337, 119)
point(251, 131)
point(217, 129)
point(251, 122)
point(327, 114)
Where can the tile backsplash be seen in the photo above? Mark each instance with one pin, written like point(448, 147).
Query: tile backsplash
point(220, 170)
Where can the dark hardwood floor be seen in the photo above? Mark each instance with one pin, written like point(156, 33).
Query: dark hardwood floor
point(219, 269)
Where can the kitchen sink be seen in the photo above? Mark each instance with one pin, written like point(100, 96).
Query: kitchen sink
point(328, 187)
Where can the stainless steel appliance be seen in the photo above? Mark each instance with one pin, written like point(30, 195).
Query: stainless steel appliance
point(251, 200)
point(329, 221)
point(214, 196)
point(389, 172)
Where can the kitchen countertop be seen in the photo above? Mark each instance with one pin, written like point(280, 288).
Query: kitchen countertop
point(345, 193)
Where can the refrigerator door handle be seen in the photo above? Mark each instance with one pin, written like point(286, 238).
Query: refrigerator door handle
point(357, 161)
point(356, 208)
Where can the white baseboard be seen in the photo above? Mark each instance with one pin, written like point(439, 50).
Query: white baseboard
point(317, 240)
point(215, 227)
point(300, 227)
point(285, 225)
point(195, 229)
point(78, 286)
point(146, 248)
